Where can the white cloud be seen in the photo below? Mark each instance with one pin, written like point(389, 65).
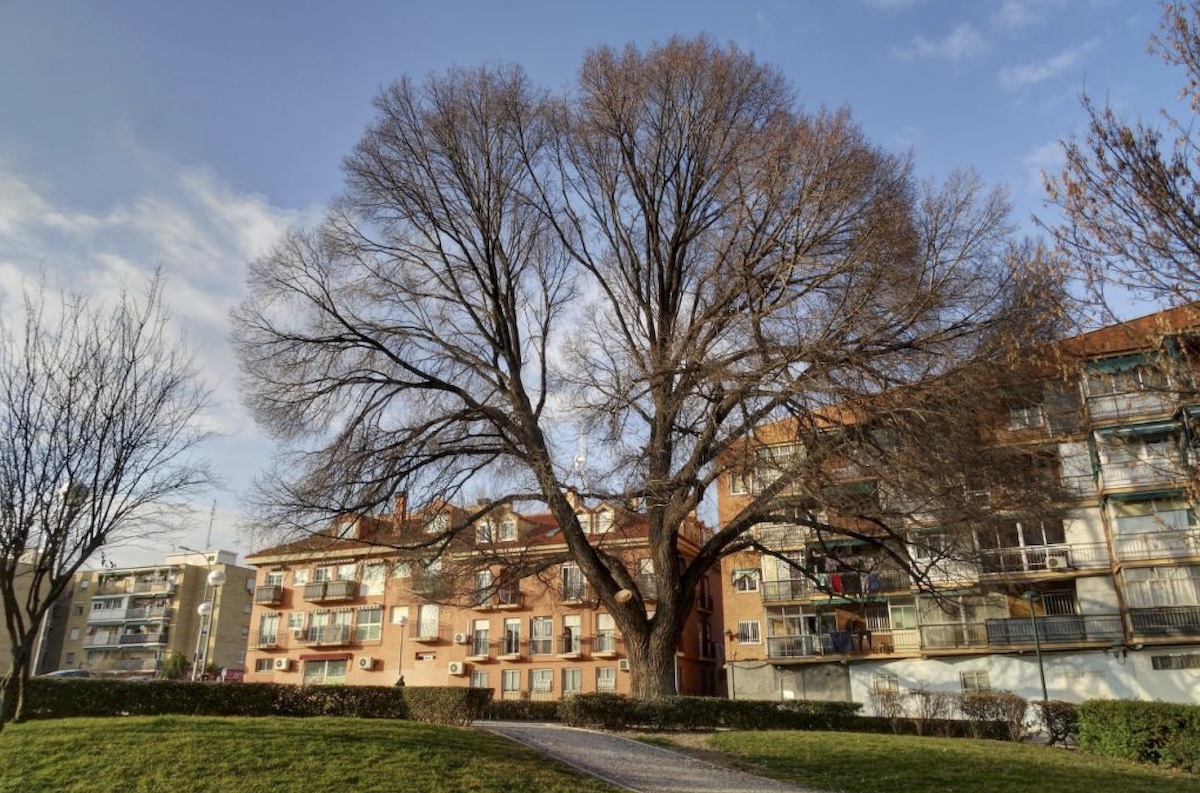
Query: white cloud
point(1047, 159)
point(1020, 75)
point(1017, 14)
point(965, 41)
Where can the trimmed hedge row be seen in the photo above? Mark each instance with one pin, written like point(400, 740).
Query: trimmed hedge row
point(610, 711)
point(68, 697)
point(1165, 733)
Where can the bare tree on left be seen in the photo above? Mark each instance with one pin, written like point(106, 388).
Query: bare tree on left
point(99, 426)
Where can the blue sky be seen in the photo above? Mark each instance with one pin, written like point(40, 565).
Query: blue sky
point(137, 134)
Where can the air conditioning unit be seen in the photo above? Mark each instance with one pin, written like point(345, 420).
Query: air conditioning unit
point(366, 662)
point(298, 634)
point(461, 638)
point(623, 664)
point(282, 664)
point(456, 668)
point(1057, 562)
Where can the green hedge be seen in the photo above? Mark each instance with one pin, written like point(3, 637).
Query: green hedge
point(1153, 732)
point(522, 710)
point(610, 711)
point(49, 699)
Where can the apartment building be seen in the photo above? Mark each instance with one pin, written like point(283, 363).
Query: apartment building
point(129, 620)
point(347, 607)
point(1100, 597)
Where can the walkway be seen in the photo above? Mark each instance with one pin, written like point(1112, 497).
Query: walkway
point(632, 764)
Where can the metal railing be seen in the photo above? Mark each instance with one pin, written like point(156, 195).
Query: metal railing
point(1127, 405)
point(1055, 629)
point(1157, 544)
point(269, 594)
point(1061, 557)
point(480, 647)
point(510, 599)
point(606, 643)
point(264, 640)
point(328, 634)
point(953, 635)
point(153, 585)
point(570, 644)
point(1166, 621)
point(428, 631)
point(1161, 470)
point(319, 591)
point(142, 638)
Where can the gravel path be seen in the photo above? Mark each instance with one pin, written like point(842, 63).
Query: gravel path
point(634, 765)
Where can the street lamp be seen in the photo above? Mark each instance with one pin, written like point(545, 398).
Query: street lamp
point(402, 622)
point(1032, 597)
point(203, 638)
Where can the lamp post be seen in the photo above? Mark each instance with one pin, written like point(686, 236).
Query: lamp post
point(203, 638)
point(1032, 597)
point(403, 623)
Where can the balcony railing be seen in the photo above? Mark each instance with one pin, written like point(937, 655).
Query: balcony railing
point(570, 645)
point(606, 643)
point(783, 591)
point(865, 643)
point(153, 585)
point(511, 646)
point(953, 635)
point(429, 631)
point(1043, 558)
point(123, 615)
point(328, 634)
point(797, 646)
point(264, 641)
point(322, 591)
point(574, 593)
point(778, 536)
point(1157, 544)
point(270, 594)
point(480, 647)
point(142, 638)
point(1055, 629)
point(1166, 621)
point(1157, 470)
point(1127, 405)
point(510, 599)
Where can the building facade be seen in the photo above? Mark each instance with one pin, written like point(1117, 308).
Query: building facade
point(1100, 600)
point(130, 620)
point(347, 607)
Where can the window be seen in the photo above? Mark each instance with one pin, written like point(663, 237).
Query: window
point(268, 628)
point(74, 634)
point(572, 582)
point(572, 634)
point(323, 574)
point(541, 683)
point(398, 614)
point(263, 665)
point(508, 529)
point(749, 632)
point(295, 621)
point(541, 636)
point(746, 580)
point(484, 532)
point(479, 678)
point(483, 587)
point(70, 659)
point(572, 680)
point(1026, 416)
point(606, 678)
point(83, 585)
point(401, 570)
point(1152, 515)
point(273, 578)
point(1175, 661)
point(374, 578)
point(369, 626)
point(428, 620)
point(300, 577)
point(739, 483)
point(604, 521)
point(1152, 587)
point(512, 637)
point(329, 672)
point(904, 617)
point(480, 630)
point(510, 683)
point(885, 682)
point(438, 524)
point(606, 634)
point(78, 609)
point(347, 571)
point(975, 681)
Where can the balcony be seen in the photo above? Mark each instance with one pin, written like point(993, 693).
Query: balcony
point(510, 599)
point(779, 536)
point(574, 593)
point(129, 615)
point(1166, 621)
point(606, 644)
point(327, 634)
point(163, 585)
point(1130, 404)
point(135, 639)
point(1150, 471)
point(428, 631)
point(325, 591)
point(1155, 544)
point(570, 646)
point(510, 648)
point(480, 649)
point(269, 595)
point(1043, 558)
point(802, 646)
point(264, 641)
point(1055, 629)
point(953, 636)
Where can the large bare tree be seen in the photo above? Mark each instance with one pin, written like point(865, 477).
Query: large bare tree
point(99, 420)
point(1129, 193)
point(662, 258)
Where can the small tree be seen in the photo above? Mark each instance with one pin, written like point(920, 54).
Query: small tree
point(175, 666)
point(99, 418)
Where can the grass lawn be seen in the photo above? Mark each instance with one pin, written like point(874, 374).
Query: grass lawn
point(859, 763)
point(179, 754)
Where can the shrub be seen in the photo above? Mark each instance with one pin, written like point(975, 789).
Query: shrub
point(1060, 720)
point(888, 704)
point(612, 712)
point(930, 709)
point(984, 709)
point(68, 697)
point(1153, 732)
point(522, 710)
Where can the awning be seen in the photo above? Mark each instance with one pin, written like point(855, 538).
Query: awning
point(1119, 363)
point(1148, 428)
point(325, 656)
point(1145, 495)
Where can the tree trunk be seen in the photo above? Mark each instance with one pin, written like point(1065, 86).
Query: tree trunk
point(652, 664)
point(12, 687)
